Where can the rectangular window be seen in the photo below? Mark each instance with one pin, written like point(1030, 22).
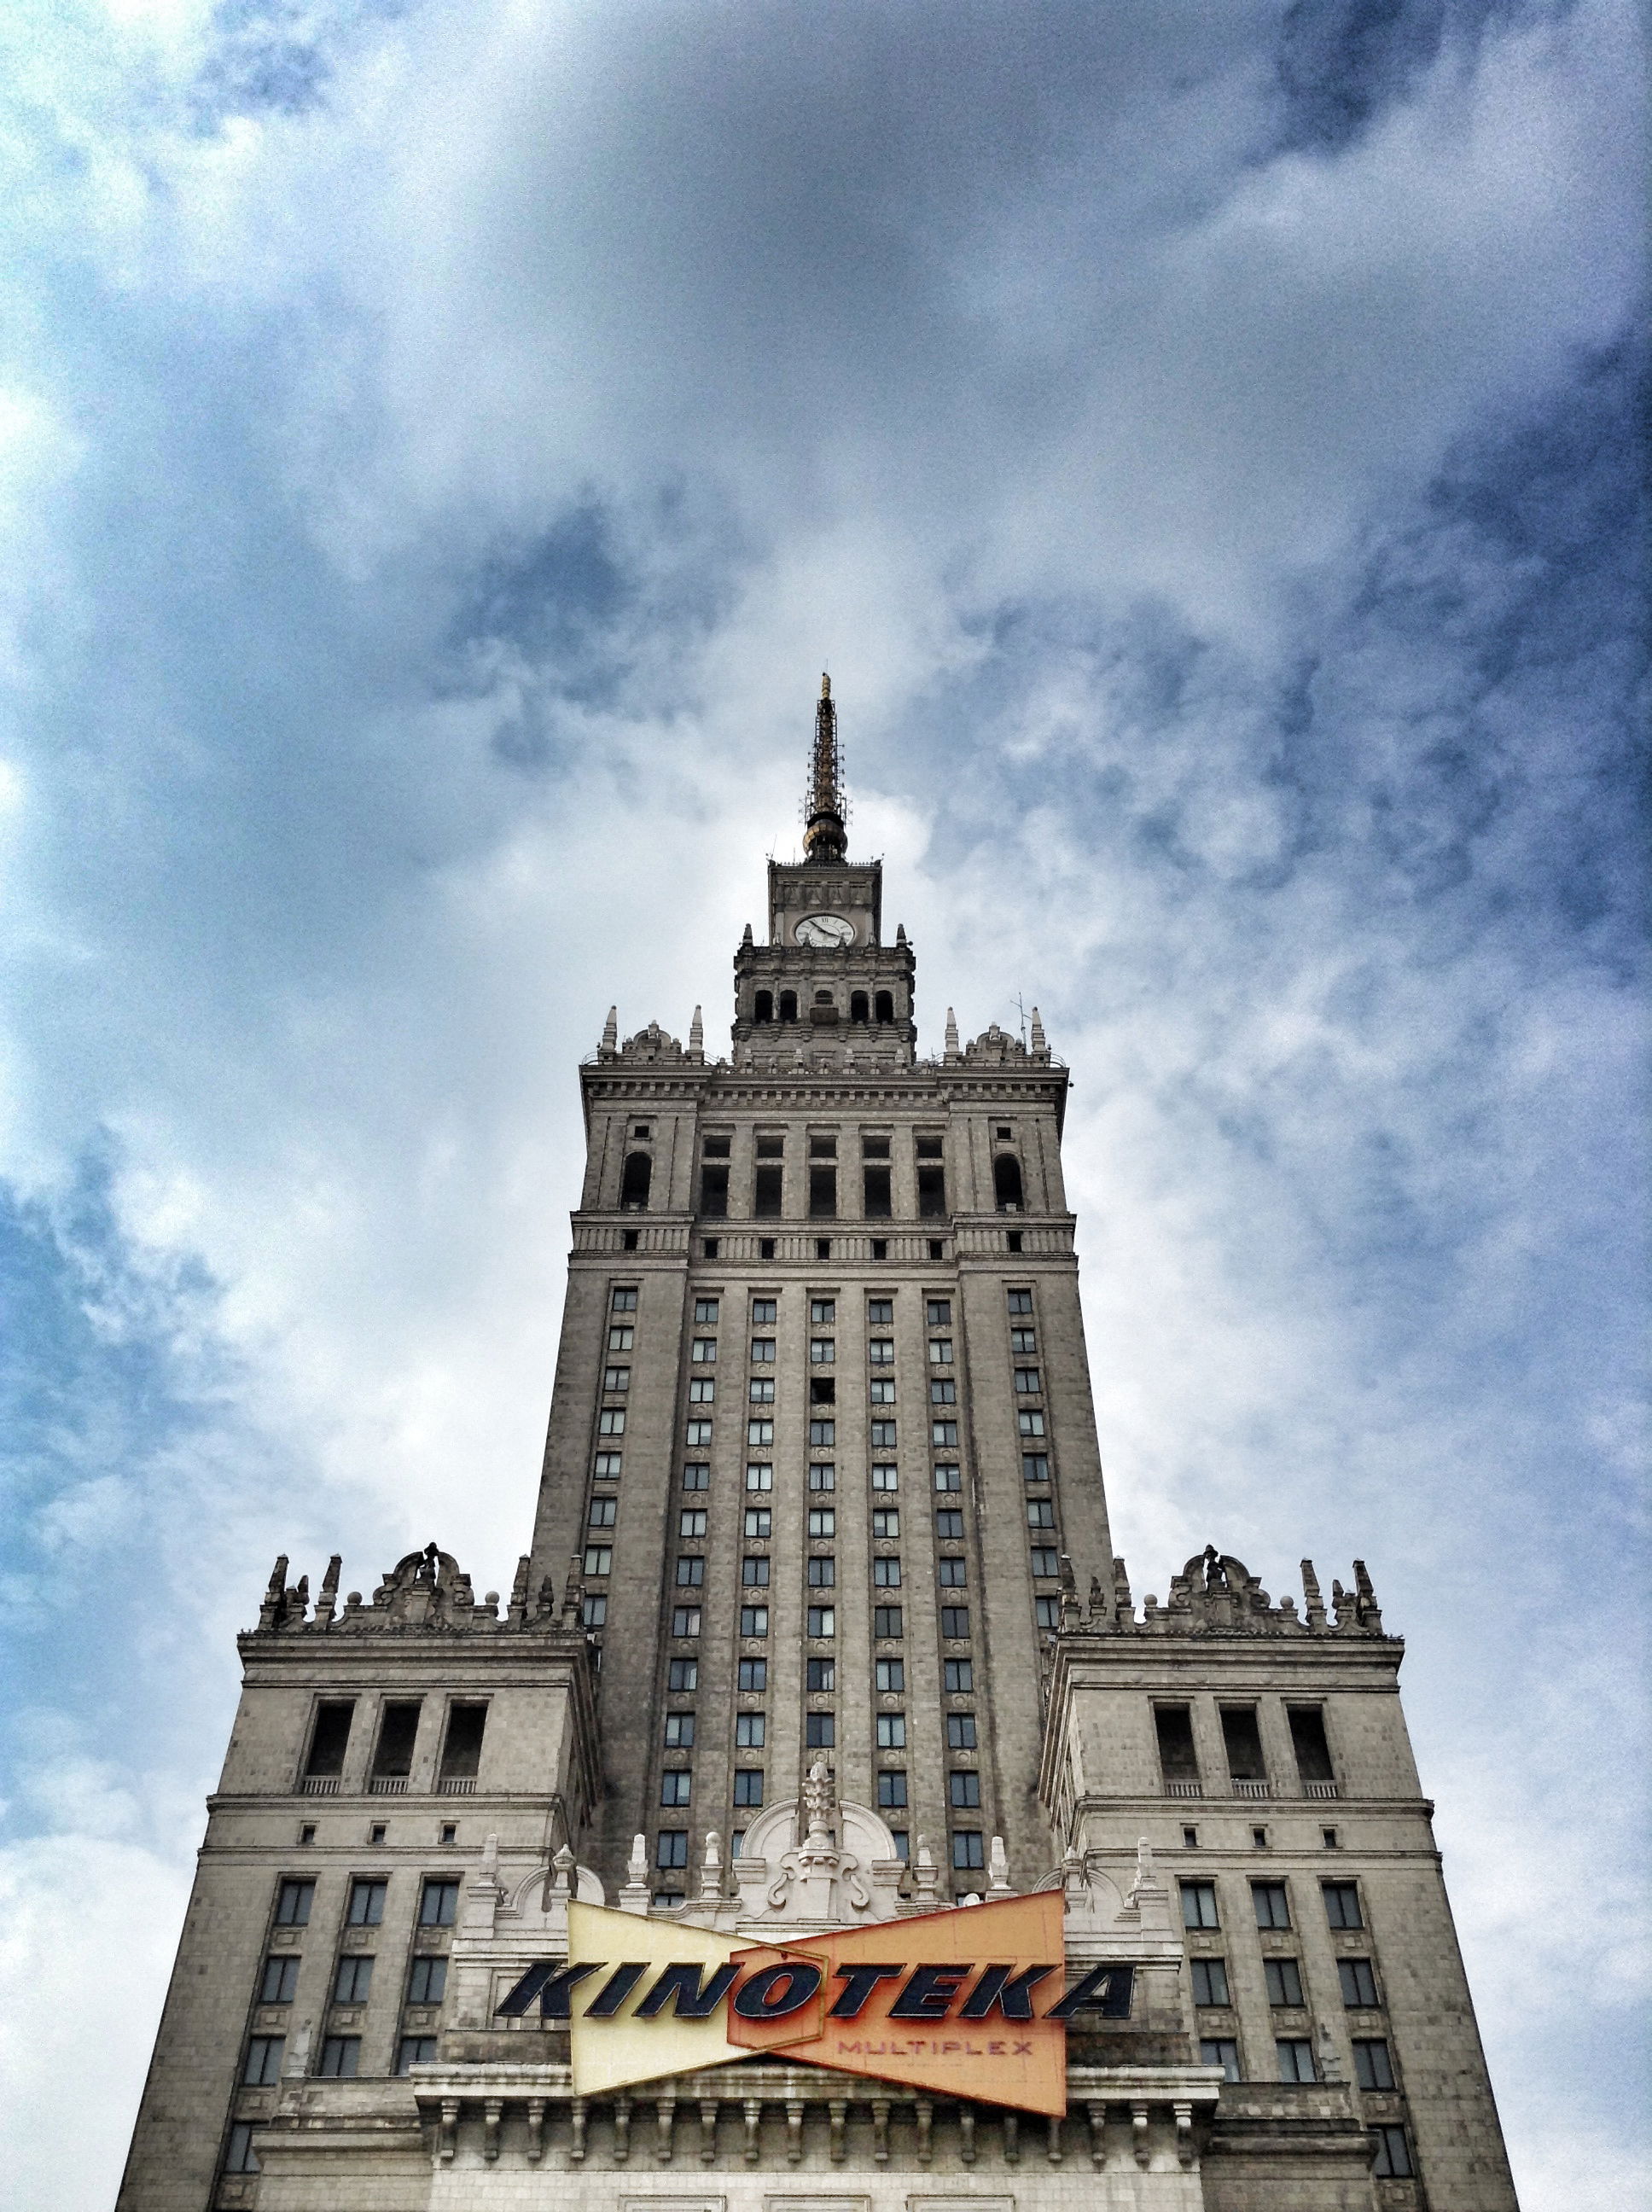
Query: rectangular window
point(958, 1677)
point(760, 1432)
point(760, 1390)
point(610, 1422)
point(955, 1620)
point(891, 1731)
point(759, 1522)
point(886, 1621)
point(1046, 1612)
point(1294, 2054)
point(1313, 1752)
point(822, 1476)
point(1041, 1513)
point(1272, 1905)
point(239, 2158)
point(1026, 1382)
point(880, 1313)
point(1342, 1903)
point(340, 2057)
point(823, 1351)
point(702, 1390)
point(366, 1905)
point(1391, 2154)
point(763, 1351)
point(594, 1610)
point(1029, 1421)
point(747, 1785)
point(683, 1674)
point(1373, 2066)
point(691, 1521)
point(886, 1477)
point(943, 1391)
point(679, 1731)
point(963, 1789)
point(438, 1902)
point(944, 1434)
point(754, 1570)
point(672, 1848)
point(329, 1736)
point(415, 2050)
point(1220, 2051)
point(685, 1620)
point(764, 1312)
point(353, 1981)
point(961, 1732)
point(1283, 1977)
point(948, 1478)
point(938, 1314)
point(623, 1301)
point(759, 1475)
point(949, 1523)
point(886, 1521)
point(940, 1352)
point(822, 1674)
point(823, 1192)
point(822, 1312)
point(604, 1512)
point(820, 1731)
point(398, 1729)
point(822, 1621)
point(280, 1982)
point(1034, 1467)
point(753, 1675)
point(967, 1853)
point(1020, 1302)
point(768, 1203)
point(606, 1466)
point(703, 1350)
point(264, 2056)
point(892, 1788)
point(951, 1573)
point(696, 1474)
point(822, 1434)
point(754, 1620)
point(617, 1379)
point(880, 1351)
point(932, 1193)
point(1046, 1560)
point(823, 1573)
point(886, 1573)
point(1199, 1905)
point(880, 1393)
point(599, 1560)
point(675, 1786)
point(889, 1674)
point(1210, 1980)
point(1358, 1982)
point(822, 1521)
point(1023, 1340)
point(875, 1193)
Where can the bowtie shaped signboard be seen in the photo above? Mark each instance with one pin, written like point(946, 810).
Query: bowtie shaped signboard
point(968, 2002)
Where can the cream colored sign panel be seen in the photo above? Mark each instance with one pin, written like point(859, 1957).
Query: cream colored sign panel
point(608, 2052)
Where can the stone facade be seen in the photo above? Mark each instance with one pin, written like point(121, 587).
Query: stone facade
point(821, 1624)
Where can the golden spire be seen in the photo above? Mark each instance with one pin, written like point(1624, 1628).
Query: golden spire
point(825, 837)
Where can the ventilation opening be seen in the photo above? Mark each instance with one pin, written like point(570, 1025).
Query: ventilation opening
point(461, 1752)
point(396, 1732)
point(1007, 1182)
point(878, 1206)
point(880, 1247)
point(765, 1248)
point(638, 1175)
point(762, 1007)
point(332, 1733)
point(1012, 1240)
point(630, 1240)
point(885, 1006)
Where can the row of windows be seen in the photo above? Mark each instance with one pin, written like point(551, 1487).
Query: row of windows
point(968, 1851)
point(398, 1727)
point(427, 1979)
point(957, 1676)
point(438, 1901)
point(1272, 1903)
point(1282, 1977)
point(338, 2059)
point(1241, 1744)
point(751, 1729)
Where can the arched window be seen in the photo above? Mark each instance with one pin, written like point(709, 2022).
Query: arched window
point(788, 1005)
point(822, 998)
point(886, 1005)
point(764, 1010)
point(858, 1007)
point(633, 1183)
point(1007, 1182)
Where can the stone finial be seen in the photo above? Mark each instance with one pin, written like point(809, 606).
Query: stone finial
point(519, 1606)
point(900, 933)
point(711, 1868)
point(563, 1873)
point(1313, 1603)
point(633, 1896)
point(573, 1595)
point(1124, 1606)
point(1330, 2058)
point(1366, 1612)
point(1146, 1872)
point(610, 1032)
point(746, 937)
point(997, 1863)
point(1040, 1042)
point(952, 1049)
point(327, 1603)
point(697, 1036)
point(275, 1595)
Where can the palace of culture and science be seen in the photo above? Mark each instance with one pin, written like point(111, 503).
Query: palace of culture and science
point(821, 1630)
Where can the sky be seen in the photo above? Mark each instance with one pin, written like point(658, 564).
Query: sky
point(441, 445)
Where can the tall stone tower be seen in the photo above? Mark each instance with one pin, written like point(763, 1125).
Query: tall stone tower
point(821, 1630)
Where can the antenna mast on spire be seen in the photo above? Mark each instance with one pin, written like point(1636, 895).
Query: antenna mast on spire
point(825, 837)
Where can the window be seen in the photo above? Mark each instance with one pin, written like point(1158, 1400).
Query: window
point(1391, 2154)
point(264, 2056)
point(606, 1466)
point(1373, 2066)
point(937, 1313)
point(1284, 1981)
point(822, 1674)
point(1358, 1982)
point(1020, 1302)
point(696, 1474)
point(623, 1300)
point(610, 1422)
point(399, 1727)
point(239, 2158)
point(615, 1378)
point(823, 1144)
point(329, 1736)
point(860, 1007)
point(886, 1573)
point(949, 1523)
point(764, 1311)
point(1041, 1513)
point(902, 1844)
point(886, 1621)
point(685, 1620)
point(820, 1730)
point(353, 1982)
point(822, 1350)
point(1342, 1903)
point(340, 2057)
point(822, 1434)
point(767, 1195)
point(822, 1621)
point(703, 1350)
point(961, 1731)
point(1007, 1182)
point(880, 1312)
point(823, 1572)
point(760, 1476)
point(1046, 1612)
point(948, 1478)
point(964, 1788)
point(1029, 1421)
point(1294, 2054)
point(753, 1674)
point(1328, 1839)
point(945, 1434)
point(958, 1675)
point(822, 1390)
point(691, 1521)
point(884, 1006)
point(1313, 1751)
point(754, 1570)
point(439, 1903)
point(366, 1905)
point(634, 1179)
point(1026, 1381)
point(822, 1521)
point(760, 1390)
point(675, 1786)
point(1177, 1759)
point(1024, 1341)
point(603, 1512)
point(967, 1851)
point(760, 1432)
point(1272, 1905)
point(881, 1392)
point(823, 1192)
point(759, 1522)
point(679, 1731)
point(886, 1521)
point(944, 1391)
point(1199, 1905)
point(747, 1785)
point(415, 2050)
point(702, 1390)
point(754, 1620)
point(932, 1191)
point(705, 1309)
point(1243, 1743)
point(1210, 1980)
point(293, 1902)
point(1034, 1467)
point(1046, 1560)
point(594, 1610)
point(1220, 2051)
point(892, 1788)
point(280, 1982)
point(763, 1350)
point(1190, 1839)
point(599, 1560)
point(955, 1620)
point(891, 1731)
point(886, 1477)
point(951, 1573)
point(889, 1674)
point(875, 1194)
point(672, 1848)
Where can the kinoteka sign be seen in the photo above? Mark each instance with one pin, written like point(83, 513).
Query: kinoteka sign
point(970, 2002)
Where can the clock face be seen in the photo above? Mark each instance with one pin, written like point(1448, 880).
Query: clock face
point(823, 930)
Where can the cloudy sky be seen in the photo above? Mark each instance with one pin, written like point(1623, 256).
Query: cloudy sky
point(439, 447)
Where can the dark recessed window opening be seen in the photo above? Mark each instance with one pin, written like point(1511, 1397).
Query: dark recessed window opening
point(880, 1247)
point(931, 1192)
point(885, 1006)
point(822, 1191)
point(1307, 1740)
point(717, 1148)
point(771, 1146)
point(765, 1248)
point(823, 1247)
point(936, 1248)
point(767, 1192)
point(628, 1239)
point(330, 1737)
point(1177, 1758)
point(461, 1750)
point(635, 1179)
point(396, 1731)
point(860, 1007)
point(1244, 1743)
point(1012, 1240)
point(878, 1206)
point(713, 1190)
point(1007, 1182)
point(788, 1005)
point(763, 1006)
